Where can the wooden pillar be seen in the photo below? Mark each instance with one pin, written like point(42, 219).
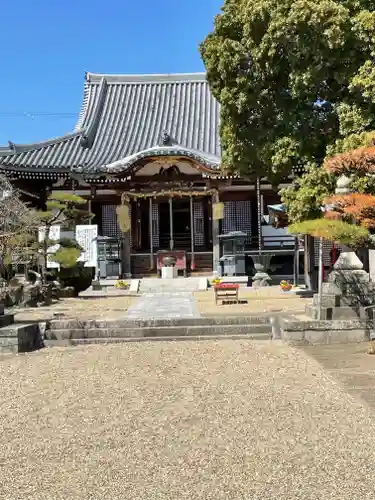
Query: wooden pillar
point(192, 263)
point(215, 237)
point(171, 242)
point(151, 235)
point(89, 209)
point(126, 258)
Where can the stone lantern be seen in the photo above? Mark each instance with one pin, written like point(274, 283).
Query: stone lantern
point(348, 259)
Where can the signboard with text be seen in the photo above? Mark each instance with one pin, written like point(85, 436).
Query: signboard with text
point(86, 237)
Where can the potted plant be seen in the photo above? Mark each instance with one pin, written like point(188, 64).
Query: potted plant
point(285, 285)
point(122, 285)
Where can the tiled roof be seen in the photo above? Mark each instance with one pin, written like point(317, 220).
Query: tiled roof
point(123, 118)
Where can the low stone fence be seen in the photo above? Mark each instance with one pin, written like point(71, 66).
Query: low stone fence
point(300, 332)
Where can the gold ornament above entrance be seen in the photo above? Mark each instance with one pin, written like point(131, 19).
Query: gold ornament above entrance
point(167, 167)
point(126, 196)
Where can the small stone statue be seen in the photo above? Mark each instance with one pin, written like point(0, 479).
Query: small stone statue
point(32, 289)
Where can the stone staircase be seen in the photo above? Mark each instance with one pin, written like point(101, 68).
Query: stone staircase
point(158, 285)
point(17, 337)
point(74, 332)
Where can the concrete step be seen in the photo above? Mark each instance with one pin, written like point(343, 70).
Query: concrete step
point(126, 322)
point(158, 285)
point(111, 340)
point(164, 331)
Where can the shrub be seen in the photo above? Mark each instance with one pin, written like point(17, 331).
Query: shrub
point(77, 276)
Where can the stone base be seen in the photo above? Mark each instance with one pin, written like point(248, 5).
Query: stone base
point(261, 279)
point(20, 338)
point(325, 332)
point(169, 273)
point(337, 313)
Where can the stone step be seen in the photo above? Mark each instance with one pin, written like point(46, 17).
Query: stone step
point(20, 337)
point(70, 323)
point(111, 340)
point(336, 313)
point(158, 285)
point(6, 319)
point(164, 331)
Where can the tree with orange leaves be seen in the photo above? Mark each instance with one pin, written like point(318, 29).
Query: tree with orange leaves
point(355, 209)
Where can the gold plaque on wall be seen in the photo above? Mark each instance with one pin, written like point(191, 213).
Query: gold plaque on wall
point(123, 218)
point(218, 211)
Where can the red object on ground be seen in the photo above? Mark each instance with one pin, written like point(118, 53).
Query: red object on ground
point(223, 286)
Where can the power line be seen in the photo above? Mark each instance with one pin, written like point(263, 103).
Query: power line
point(32, 114)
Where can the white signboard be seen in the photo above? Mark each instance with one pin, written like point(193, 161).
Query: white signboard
point(54, 234)
point(85, 236)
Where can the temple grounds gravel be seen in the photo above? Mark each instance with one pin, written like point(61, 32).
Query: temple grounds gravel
point(269, 299)
point(103, 308)
point(186, 420)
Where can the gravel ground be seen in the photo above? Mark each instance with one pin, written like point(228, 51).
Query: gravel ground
point(207, 420)
point(105, 307)
point(256, 301)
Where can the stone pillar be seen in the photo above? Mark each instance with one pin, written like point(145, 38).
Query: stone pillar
point(215, 238)
point(348, 259)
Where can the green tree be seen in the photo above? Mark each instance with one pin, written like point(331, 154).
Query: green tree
point(294, 79)
point(65, 210)
point(304, 198)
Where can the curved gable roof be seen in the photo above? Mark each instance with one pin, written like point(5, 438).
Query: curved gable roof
point(123, 115)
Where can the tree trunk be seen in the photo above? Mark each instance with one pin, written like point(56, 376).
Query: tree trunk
point(311, 274)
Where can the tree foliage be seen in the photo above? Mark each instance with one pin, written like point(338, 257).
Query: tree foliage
point(356, 209)
point(334, 230)
point(353, 208)
point(64, 209)
point(359, 161)
point(293, 78)
point(304, 199)
point(307, 193)
point(18, 225)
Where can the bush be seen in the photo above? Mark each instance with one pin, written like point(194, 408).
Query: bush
point(334, 230)
point(78, 277)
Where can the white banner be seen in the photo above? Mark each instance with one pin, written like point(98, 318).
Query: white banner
point(54, 235)
point(85, 236)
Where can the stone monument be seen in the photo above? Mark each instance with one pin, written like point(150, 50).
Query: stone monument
point(348, 291)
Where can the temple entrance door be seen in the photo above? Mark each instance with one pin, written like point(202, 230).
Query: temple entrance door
point(180, 224)
point(164, 226)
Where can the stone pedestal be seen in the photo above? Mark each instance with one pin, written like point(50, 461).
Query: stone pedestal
point(169, 272)
point(347, 292)
point(261, 265)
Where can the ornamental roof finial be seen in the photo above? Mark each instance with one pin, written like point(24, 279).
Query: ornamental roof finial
point(166, 139)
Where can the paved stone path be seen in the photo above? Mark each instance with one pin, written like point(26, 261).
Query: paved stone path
point(164, 305)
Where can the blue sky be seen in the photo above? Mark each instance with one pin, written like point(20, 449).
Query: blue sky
point(46, 47)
